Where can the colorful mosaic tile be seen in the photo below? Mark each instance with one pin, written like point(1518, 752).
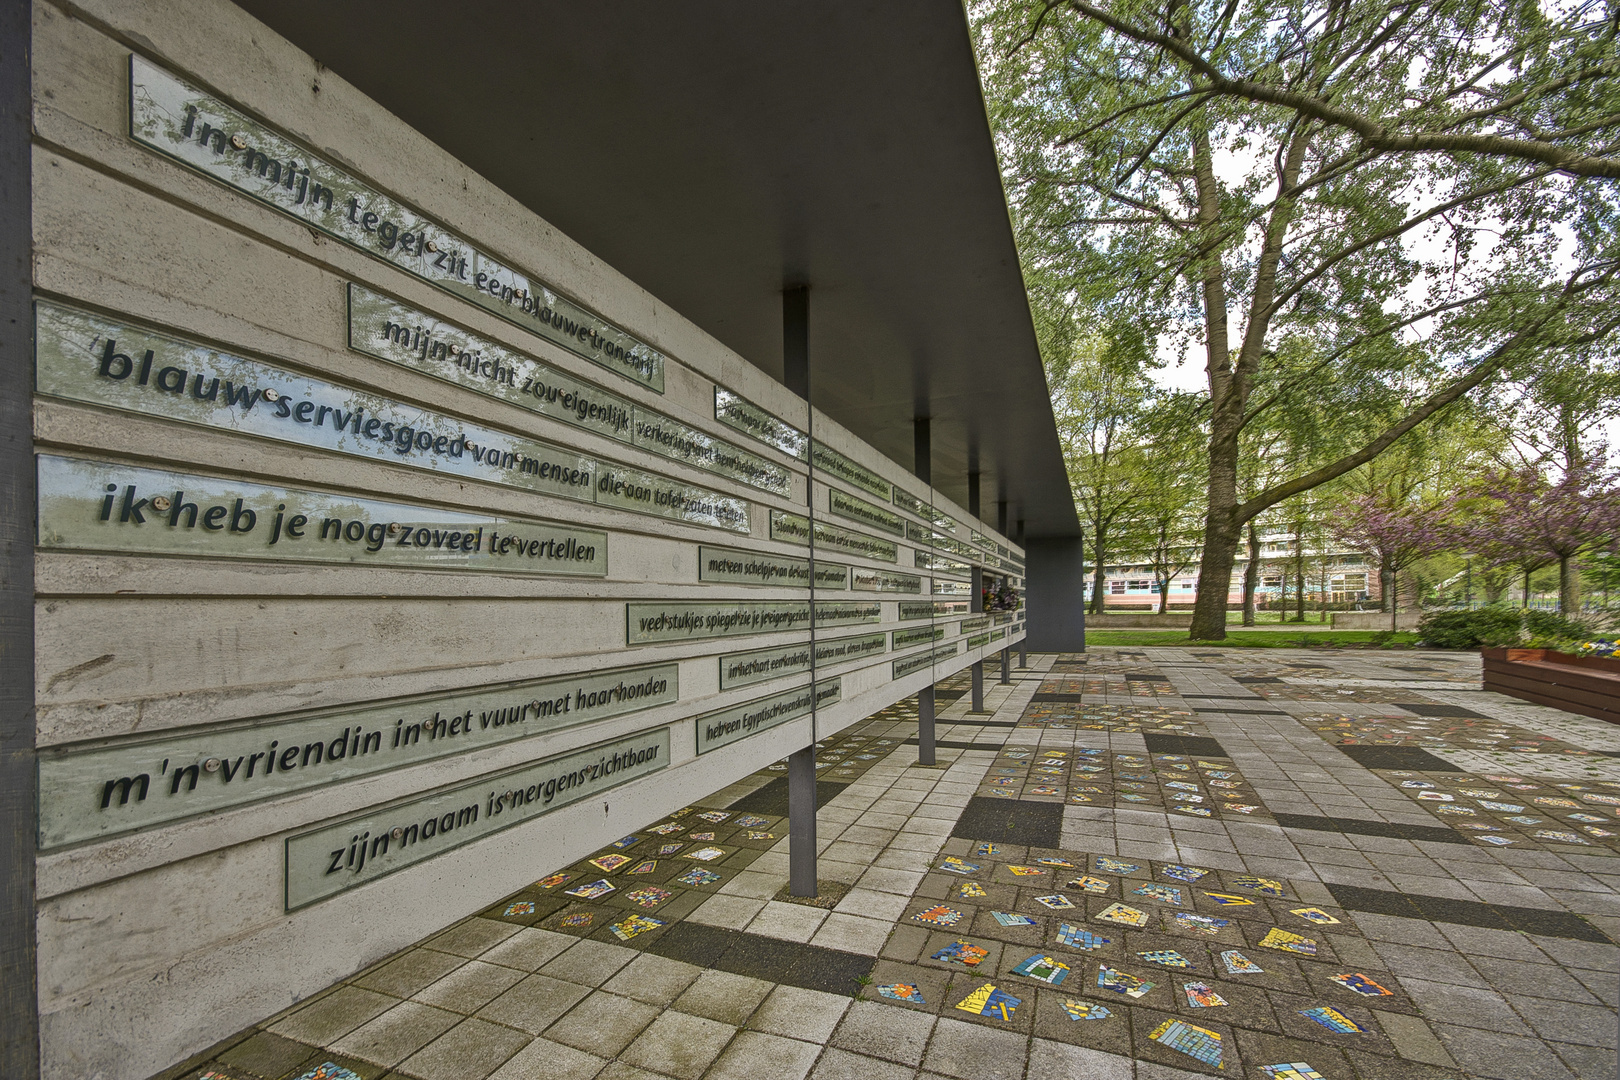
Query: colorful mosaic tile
point(1082, 1010)
point(961, 952)
point(939, 916)
point(626, 929)
point(1198, 1043)
point(1238, 964)
point(1361, 984)
point(987, 1000)
point(907, 992)
point(1076, 937)
point(1166, 957)
point(591, 891)
point(1333, 1020)
point(1124, 916)
point(1042, 968)
point(1278, 938)
point(698, 876)
point(1121, 982)
point(1202, 996)
point(1010, 918)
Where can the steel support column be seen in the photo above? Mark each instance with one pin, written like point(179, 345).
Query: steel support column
point(801, 763)
point(925, 725)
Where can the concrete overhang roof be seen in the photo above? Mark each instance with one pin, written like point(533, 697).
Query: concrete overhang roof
point(715, 152)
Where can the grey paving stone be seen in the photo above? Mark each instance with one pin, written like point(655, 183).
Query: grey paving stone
point(1565, 1021)
point(333, 1015)
point(473, 937)
point(543, 1059)
point(754, 1054)
point(720, 995)
point(843, 1065)
point(653, 979)
point(800, 1014)
point(973, 1052)
point(679, 1045)
point(468, 988)
point(528, 949)
point(534, 1004)
point(469, 1051)
point(589, 963)
point(409, 972)
point(1050, 1060)
point(602, 1024)
point(1502, 1056)
point(885, 1031)
point(397, 1034)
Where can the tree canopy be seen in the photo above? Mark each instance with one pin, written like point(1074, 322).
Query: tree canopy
point(1361, 211)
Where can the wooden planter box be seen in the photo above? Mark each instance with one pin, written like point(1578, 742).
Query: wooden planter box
point(1589, 685)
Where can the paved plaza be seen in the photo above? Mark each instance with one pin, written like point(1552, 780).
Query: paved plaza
point(1155, 863)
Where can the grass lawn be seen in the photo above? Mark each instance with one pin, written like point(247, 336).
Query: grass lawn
point(1259, 639)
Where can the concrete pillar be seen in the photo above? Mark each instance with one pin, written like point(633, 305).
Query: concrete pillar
point(1057, 595)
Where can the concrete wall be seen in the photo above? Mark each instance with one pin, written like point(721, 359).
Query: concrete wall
point(156, 941)
point(1375, 620)
point(1120, 620)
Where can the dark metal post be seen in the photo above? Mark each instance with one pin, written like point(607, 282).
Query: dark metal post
point(19, 999)
point(802, 822)
point(801, 763)
point(977, 607)
point(925, 725)
point(1023, 653)
point(1006, 666)
point(973, 493)
point(923, 448)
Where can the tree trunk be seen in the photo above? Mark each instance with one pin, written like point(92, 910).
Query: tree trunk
point(1526, 602)
point(1569, 588)
point(1214, 579)
point(1394, 600)
point(1098, 550)
point(1251, 575)
point(1386, 584)
point(1164, 595)
point(1299, 580)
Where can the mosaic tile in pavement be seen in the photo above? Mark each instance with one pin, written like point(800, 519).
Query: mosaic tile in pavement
point(1111, 954)
point(1476, 732)
point(1198, 786)
point(1096, 716)
point(1502, 810)
point(1272, 688)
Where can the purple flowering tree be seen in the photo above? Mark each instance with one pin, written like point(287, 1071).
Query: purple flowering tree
point(1399, 534)
point(1530, 520)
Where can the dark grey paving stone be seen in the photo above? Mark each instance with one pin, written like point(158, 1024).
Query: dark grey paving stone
point(1414, 758)
point(1011, 821)
point(1199, 745)
point(1541, 921)
point(1437, 834)
point(772, 799)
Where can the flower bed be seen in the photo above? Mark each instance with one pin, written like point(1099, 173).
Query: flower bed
point(1589, 685)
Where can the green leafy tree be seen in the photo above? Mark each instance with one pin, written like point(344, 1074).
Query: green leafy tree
point(1162, 529)
point(1099, 395)
point(1425, 192)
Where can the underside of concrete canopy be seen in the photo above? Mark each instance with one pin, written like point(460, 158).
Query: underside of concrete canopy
point(716, 153)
